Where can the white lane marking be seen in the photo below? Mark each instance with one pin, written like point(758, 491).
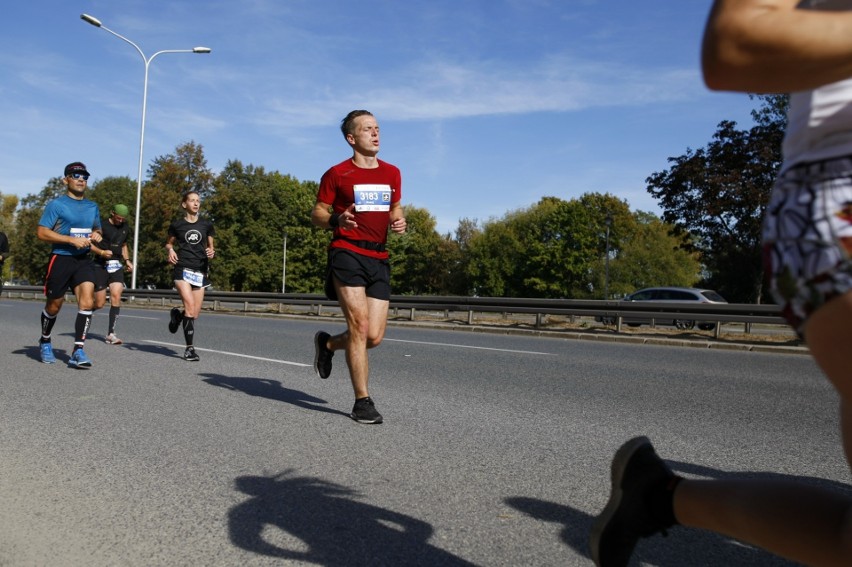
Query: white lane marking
point(122, 316)
point(473, 347)
point(233, 354)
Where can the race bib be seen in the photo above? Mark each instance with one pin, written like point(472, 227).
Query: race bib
point(81, 232)
point(193, 278)
point(113, 266)
point(372, 198)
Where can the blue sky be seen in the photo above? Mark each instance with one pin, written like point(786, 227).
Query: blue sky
point(485, 105)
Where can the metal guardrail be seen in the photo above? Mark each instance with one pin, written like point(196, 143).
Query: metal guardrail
point(748, 314)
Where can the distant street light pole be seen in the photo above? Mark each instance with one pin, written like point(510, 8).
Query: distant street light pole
point(147, 60)
point(608, 222)
point(284, 267)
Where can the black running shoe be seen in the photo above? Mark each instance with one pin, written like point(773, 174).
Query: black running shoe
point(638, 475)
point(190, 355)
point(364, 411)
point(322, 356)
point(175, 317)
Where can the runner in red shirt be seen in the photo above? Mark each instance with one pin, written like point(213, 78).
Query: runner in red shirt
point(360, 200)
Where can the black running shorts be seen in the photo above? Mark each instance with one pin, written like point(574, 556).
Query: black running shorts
point(355, 270)
point(67, 272)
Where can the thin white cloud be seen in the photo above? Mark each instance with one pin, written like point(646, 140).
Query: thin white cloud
point(446, 91)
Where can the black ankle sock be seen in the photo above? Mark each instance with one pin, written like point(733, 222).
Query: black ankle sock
point(661, 501)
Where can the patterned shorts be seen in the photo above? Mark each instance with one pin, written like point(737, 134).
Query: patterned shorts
point(807, 238)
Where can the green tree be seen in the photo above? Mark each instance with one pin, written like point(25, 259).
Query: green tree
point(650, 255)
point(553, 249)
point(456, 254)
point(8, 204)
point(253, 211)
point(558, 249)
point(30, 261)
point(492, 260)
point(111, 191)
point(417, 268)
point(718, 195)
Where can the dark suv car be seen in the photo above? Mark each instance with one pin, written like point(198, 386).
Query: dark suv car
point(679, 294)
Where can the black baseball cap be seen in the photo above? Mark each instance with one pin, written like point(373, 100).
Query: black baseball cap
point(76, 167)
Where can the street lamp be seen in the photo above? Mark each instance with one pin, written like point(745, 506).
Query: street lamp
point(608, 223)
point(147, 60)
point(284, 267)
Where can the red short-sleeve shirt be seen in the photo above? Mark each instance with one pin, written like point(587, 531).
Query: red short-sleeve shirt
point(373, 191)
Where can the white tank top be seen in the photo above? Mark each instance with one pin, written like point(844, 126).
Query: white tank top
point(819, 122)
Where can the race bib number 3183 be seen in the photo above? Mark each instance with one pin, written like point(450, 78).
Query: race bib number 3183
point(372, 198)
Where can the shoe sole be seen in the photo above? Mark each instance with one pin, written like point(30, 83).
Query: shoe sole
point(116, 342)
point(317, 354)
point(80, 364)
point(174, 322)
point(619, 465)
point(376, 421)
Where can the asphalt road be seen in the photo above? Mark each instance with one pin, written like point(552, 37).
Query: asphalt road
point(495, 449)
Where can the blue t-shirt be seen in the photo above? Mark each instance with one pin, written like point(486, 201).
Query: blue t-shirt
point(71, 217)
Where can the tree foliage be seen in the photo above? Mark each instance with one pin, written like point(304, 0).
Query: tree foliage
point(419, 255)
point(30, 260)
point(718, 194)
point(559, 249)
point(650, 255)
point(580, 248)
point(252, 212)
point(8, 204)
point(111, 191)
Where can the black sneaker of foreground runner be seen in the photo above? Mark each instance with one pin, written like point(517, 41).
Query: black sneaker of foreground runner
point(364, 411)
point(175, 317)
point(322, 356)
point(638, 475)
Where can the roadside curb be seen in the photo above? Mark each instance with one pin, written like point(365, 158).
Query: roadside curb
point(613, 338)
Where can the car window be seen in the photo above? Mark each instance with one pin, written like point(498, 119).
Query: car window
point(713, 296)
point(641, 295)
point(683, 296)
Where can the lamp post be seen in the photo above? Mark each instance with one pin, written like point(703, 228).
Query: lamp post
point(608, 222)
point(284, 267)
point(147, 60)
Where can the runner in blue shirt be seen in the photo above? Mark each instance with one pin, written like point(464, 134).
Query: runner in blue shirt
point(71, 223)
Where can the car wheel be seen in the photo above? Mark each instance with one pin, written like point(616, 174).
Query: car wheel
point(634, 324)
point(707, 326)
point(684, 325)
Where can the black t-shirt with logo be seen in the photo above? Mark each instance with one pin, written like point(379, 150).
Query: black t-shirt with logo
point(114, 238)
point(191, 242)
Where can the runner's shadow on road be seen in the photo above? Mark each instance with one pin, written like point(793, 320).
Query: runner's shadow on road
point(34, 352)
point(313, 521)
point(683, 546)
point(271, 390)
point(152, 349)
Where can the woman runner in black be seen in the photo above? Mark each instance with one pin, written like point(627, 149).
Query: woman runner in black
point(190, 248)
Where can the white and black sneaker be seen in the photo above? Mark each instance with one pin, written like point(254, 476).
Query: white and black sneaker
point(190, 355)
